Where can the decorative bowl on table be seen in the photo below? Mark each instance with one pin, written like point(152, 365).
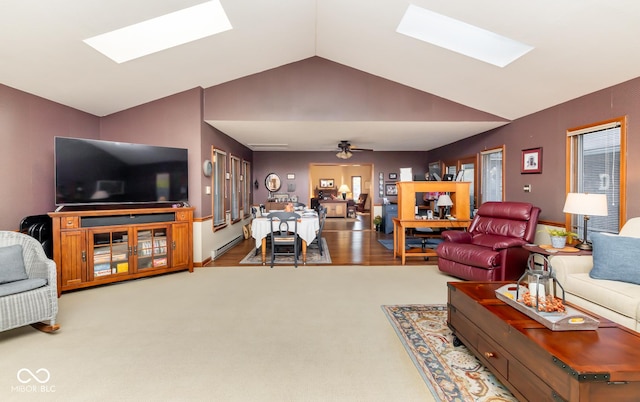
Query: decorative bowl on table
point(564, 318)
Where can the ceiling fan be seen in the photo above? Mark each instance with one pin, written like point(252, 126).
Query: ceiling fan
point(346, 150)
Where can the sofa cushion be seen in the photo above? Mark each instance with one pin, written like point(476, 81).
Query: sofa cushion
point(11, 264)
point(621, 297)
point(24, 285)
point(615, 258)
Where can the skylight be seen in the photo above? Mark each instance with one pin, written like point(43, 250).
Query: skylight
point(460, 37)
point(162, 32)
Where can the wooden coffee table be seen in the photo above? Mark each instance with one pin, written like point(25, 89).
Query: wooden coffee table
point(538, 364)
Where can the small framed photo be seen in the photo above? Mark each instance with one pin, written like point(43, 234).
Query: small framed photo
point(390, 189)
point(531, 160)
point(393, 176)
point(291, 176)
point(435, 170)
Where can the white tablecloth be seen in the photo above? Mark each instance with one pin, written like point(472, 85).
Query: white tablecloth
point(307, 228)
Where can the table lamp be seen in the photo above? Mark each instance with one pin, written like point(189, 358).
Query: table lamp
point(444, 203)
point(344, 189)
point(585, 204)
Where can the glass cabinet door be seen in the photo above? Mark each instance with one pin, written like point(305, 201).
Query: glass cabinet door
point(110, 253)
point(151, 248)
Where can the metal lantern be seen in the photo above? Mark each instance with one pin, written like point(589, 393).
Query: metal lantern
point(541, 282)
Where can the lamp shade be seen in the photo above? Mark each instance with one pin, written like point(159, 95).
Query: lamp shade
point(444, 201)
point(344, 154)
point(586, 204)
point(344, 189)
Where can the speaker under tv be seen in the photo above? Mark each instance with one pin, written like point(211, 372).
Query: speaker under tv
point(99, 172)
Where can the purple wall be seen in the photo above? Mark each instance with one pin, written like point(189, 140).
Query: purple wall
point(547, 129)
point(174, 121)
point(306, 90)
point(28, 125)
point(317, 89)
point(282, 163)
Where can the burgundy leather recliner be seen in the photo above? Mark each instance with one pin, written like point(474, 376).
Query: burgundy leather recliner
point(491, 249)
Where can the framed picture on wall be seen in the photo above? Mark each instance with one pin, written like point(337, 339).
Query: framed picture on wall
point(393, 176)
point(391, 189)
point(326, 183)
point(531, 160)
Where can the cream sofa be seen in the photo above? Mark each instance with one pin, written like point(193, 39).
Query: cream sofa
point(612, 299)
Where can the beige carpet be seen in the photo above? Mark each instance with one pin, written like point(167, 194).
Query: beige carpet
point(315, 333)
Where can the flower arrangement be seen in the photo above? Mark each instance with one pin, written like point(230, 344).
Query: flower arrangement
point(560, 232)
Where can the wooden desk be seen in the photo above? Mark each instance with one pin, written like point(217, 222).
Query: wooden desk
point(401, 225)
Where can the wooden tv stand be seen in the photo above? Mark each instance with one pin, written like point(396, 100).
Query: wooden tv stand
point(538, 364)
point(95, 247)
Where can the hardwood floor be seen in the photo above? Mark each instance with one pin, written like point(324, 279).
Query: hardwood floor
point(350, 242)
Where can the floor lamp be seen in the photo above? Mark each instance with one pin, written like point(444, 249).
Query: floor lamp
point(586, 205)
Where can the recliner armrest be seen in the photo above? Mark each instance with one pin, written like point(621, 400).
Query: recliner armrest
point(456, 236)
point(496, 242)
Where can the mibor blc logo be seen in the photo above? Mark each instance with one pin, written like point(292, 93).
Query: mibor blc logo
point(33, 381)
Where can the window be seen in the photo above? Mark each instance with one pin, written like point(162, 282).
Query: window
point(235, 194)
point(246, 187)
point(356, 186)
point(219, 170)
point(467, 172)
point(596, 164)
point(491, 175)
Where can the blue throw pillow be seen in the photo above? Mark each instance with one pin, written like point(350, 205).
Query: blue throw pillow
point(11, 264)
point(615, 258)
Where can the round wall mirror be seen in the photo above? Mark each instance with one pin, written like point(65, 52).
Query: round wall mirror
point(272, 182)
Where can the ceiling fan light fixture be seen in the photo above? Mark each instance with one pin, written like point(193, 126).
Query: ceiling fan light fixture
point(344, 154)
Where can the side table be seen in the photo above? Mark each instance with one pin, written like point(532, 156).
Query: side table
point(548, 251)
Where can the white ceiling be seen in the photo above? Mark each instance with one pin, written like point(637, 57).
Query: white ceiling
point(580, 46)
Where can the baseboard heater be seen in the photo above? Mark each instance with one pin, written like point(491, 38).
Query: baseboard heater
point(223, 249)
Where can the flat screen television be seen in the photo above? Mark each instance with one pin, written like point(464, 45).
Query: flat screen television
point(106, 172)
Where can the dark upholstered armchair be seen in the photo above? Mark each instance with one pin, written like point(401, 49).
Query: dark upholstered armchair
point(491, 250)
point(361, 204)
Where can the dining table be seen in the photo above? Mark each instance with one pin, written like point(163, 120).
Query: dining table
point(308, 226)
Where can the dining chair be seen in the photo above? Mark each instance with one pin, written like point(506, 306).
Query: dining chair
point(284, 235)
point(322, 216)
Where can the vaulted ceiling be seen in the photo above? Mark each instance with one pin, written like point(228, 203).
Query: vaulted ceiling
point(580, 46)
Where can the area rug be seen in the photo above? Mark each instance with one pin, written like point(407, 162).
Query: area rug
point(313, 256)
point(451, 373)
